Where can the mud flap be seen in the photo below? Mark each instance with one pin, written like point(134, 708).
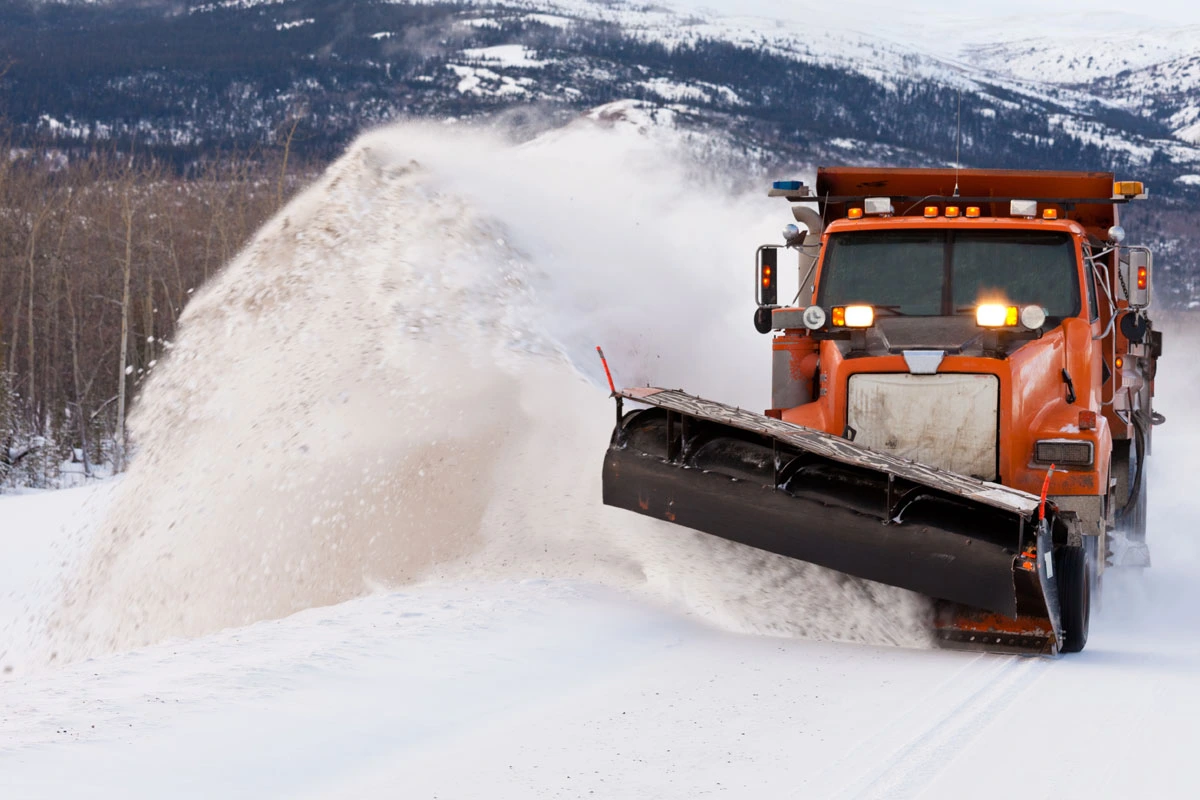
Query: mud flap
point(819, 498)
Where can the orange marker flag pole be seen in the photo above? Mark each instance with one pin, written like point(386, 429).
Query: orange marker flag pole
point(612, 388)
point(607, 374)
point(1045, 490)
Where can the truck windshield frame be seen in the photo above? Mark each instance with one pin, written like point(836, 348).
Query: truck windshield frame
point(939, 272)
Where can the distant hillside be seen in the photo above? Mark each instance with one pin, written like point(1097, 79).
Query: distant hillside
point(186, 80)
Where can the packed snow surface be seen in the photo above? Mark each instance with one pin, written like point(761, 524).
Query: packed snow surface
point(361, 552)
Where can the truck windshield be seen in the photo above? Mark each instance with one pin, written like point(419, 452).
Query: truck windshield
point(934, 273)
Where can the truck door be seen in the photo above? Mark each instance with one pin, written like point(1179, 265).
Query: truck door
point(1101, 350)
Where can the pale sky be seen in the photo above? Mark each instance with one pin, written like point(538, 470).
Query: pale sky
point(952, 27)
point(1157, 12)
point(1162, 12)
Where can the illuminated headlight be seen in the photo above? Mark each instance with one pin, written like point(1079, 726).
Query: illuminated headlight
point(853, 316)
point(1074, 452)
point(993, 315)
point(1033, 317)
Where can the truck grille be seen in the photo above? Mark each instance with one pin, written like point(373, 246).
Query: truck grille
point(947, 420)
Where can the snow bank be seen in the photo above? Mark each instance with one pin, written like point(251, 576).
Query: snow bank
point(396, 382)
point(43, 535)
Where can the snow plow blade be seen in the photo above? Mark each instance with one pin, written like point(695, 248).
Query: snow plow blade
point(818, 498)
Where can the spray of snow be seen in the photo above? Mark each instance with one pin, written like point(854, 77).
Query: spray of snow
point(396, 382)
point(1158, 606)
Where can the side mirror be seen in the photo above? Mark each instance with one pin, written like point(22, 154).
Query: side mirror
point(767, 293)
point(1135, 275)
point(762, 320)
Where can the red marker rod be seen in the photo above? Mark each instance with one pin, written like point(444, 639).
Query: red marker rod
point(1045, 490)
point(611, 387)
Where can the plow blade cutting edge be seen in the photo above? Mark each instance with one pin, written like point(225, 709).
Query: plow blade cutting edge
point(979, 547)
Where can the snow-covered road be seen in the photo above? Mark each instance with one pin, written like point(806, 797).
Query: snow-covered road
point(546, 688)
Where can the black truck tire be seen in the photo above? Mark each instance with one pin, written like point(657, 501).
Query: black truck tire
point(1074, 596)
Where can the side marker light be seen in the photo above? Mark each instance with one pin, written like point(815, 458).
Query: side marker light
point(1128, 188)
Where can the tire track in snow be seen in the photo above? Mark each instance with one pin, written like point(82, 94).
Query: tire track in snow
point(892, 763)
point(910, 770)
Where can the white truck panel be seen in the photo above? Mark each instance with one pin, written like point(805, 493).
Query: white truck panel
point(947, 420)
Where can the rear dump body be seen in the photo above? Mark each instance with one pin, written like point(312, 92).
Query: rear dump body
point(916, 449)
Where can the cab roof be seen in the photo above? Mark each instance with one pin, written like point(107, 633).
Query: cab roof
point(955, 223)
point(1089, 198)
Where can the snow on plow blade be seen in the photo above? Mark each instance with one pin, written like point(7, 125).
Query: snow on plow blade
point(819, 498)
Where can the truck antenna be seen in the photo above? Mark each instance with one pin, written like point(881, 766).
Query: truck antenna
point(958, 144)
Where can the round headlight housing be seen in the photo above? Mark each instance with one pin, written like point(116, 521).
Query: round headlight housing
point(1033, 317)
point(814, 318)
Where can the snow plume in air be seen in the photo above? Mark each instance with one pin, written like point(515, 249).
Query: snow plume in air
point(396, 381)
point(1157, 608)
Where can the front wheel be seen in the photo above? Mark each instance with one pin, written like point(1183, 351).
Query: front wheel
point(1072, 571)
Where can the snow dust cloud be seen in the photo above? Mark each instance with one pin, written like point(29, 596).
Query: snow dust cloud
point(1157, 606)
point(396, 381)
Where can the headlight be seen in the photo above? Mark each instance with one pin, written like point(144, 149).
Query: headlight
point(1033, 317)
point(853, 316)
point(993, 315)
point(814, 318)
point(1073, 452)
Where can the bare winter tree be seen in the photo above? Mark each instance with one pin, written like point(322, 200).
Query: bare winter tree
point(291, 124)
point(98, 257)
point(122, 374)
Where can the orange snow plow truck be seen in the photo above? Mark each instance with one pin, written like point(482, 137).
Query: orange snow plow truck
point(962, 400)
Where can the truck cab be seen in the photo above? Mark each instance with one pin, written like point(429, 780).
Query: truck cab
point(987, 323)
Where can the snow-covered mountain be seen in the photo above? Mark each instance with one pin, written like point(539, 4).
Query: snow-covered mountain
point(1119, 83)
point(777, 87)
